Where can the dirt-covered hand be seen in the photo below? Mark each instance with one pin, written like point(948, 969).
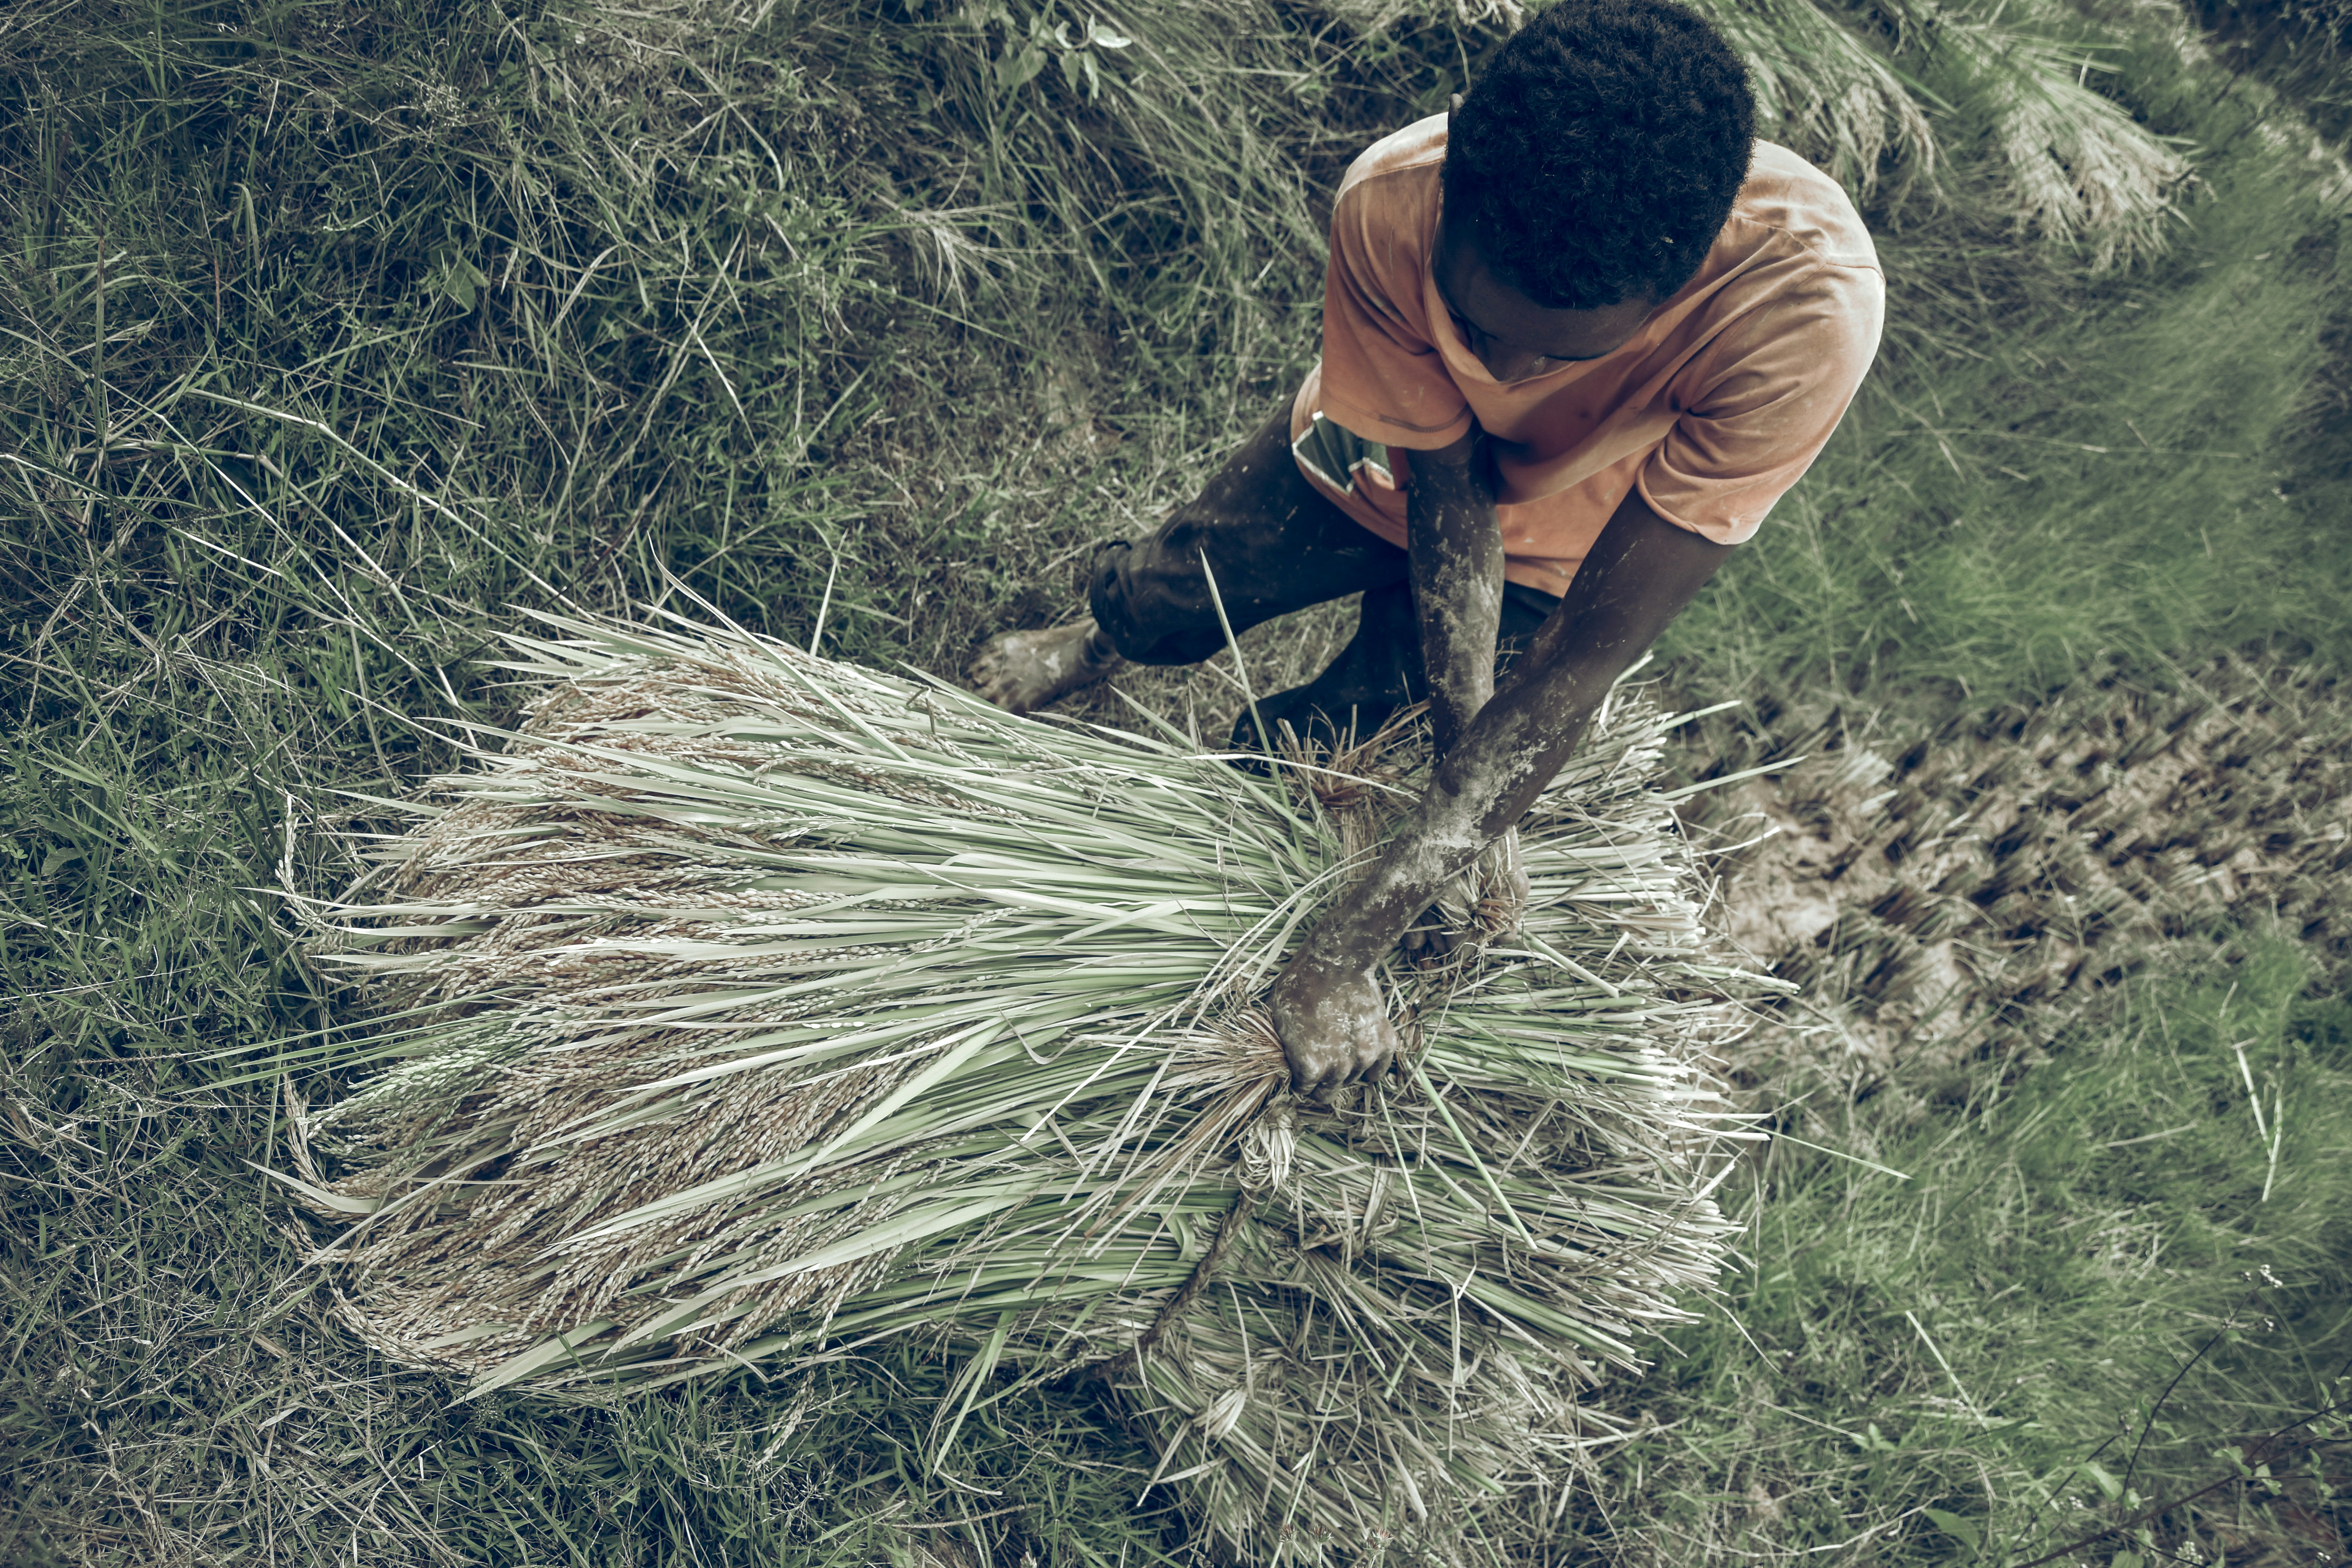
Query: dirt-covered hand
point(1332, 1024)
point(1487, 900)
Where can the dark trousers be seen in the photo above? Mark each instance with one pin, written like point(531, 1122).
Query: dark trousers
point(1276, 544)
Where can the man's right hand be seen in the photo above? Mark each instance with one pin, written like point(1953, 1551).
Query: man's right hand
point(1333, 1026)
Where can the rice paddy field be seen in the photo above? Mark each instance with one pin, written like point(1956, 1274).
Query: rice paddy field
point(337, 339)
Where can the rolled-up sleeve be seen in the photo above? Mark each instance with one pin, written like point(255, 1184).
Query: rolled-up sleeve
point(1381, 376)
point(1768, 391)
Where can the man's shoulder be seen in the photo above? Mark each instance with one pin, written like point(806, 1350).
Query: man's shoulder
point(1413, 155)
point(1784, 205)
point(1788, 205)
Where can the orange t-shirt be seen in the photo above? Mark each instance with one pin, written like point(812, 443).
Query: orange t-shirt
point(1714, 408)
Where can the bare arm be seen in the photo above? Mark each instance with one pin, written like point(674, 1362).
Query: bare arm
point(1456, 548)
point(1641, 573)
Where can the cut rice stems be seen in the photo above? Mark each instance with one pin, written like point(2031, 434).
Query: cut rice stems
point(742, 1005)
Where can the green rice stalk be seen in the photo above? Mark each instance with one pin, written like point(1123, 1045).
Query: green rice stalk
point(2081, 172)
point(1823, 90)
point(742, 1006)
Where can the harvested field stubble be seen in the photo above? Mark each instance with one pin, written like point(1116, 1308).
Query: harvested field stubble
point(2075, 971)
point(1933, 892)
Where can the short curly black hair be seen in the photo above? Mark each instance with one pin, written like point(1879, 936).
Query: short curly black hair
point(1596, 158)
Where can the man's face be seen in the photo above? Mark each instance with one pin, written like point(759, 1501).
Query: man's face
point(1515, 338)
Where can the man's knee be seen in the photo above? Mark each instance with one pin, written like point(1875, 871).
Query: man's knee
point(1149, 607)
point(1275, 544)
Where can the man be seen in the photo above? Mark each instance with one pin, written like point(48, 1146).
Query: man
point(1579, 335)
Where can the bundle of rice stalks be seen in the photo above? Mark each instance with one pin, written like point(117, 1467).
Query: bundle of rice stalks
point(747, 1007)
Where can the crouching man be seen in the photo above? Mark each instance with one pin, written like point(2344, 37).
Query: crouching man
point(1579, 334)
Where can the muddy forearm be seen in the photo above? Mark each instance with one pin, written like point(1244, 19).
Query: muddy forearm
point(1457, 584)
point(1499, 765)
point(1640, 573)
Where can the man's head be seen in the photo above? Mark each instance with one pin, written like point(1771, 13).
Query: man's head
point(1587, 173)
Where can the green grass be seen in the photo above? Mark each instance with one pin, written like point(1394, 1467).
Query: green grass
point(2051, 473)
point(2108, 483)
point(1974, 1337)
point(338, 332)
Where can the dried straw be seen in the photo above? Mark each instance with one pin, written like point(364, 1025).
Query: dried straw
point(744, 1006)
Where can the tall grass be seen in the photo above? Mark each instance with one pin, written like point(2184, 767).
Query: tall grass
point(2110, 482)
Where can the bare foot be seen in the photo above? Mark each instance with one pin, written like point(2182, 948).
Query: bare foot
point(1025, 671)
